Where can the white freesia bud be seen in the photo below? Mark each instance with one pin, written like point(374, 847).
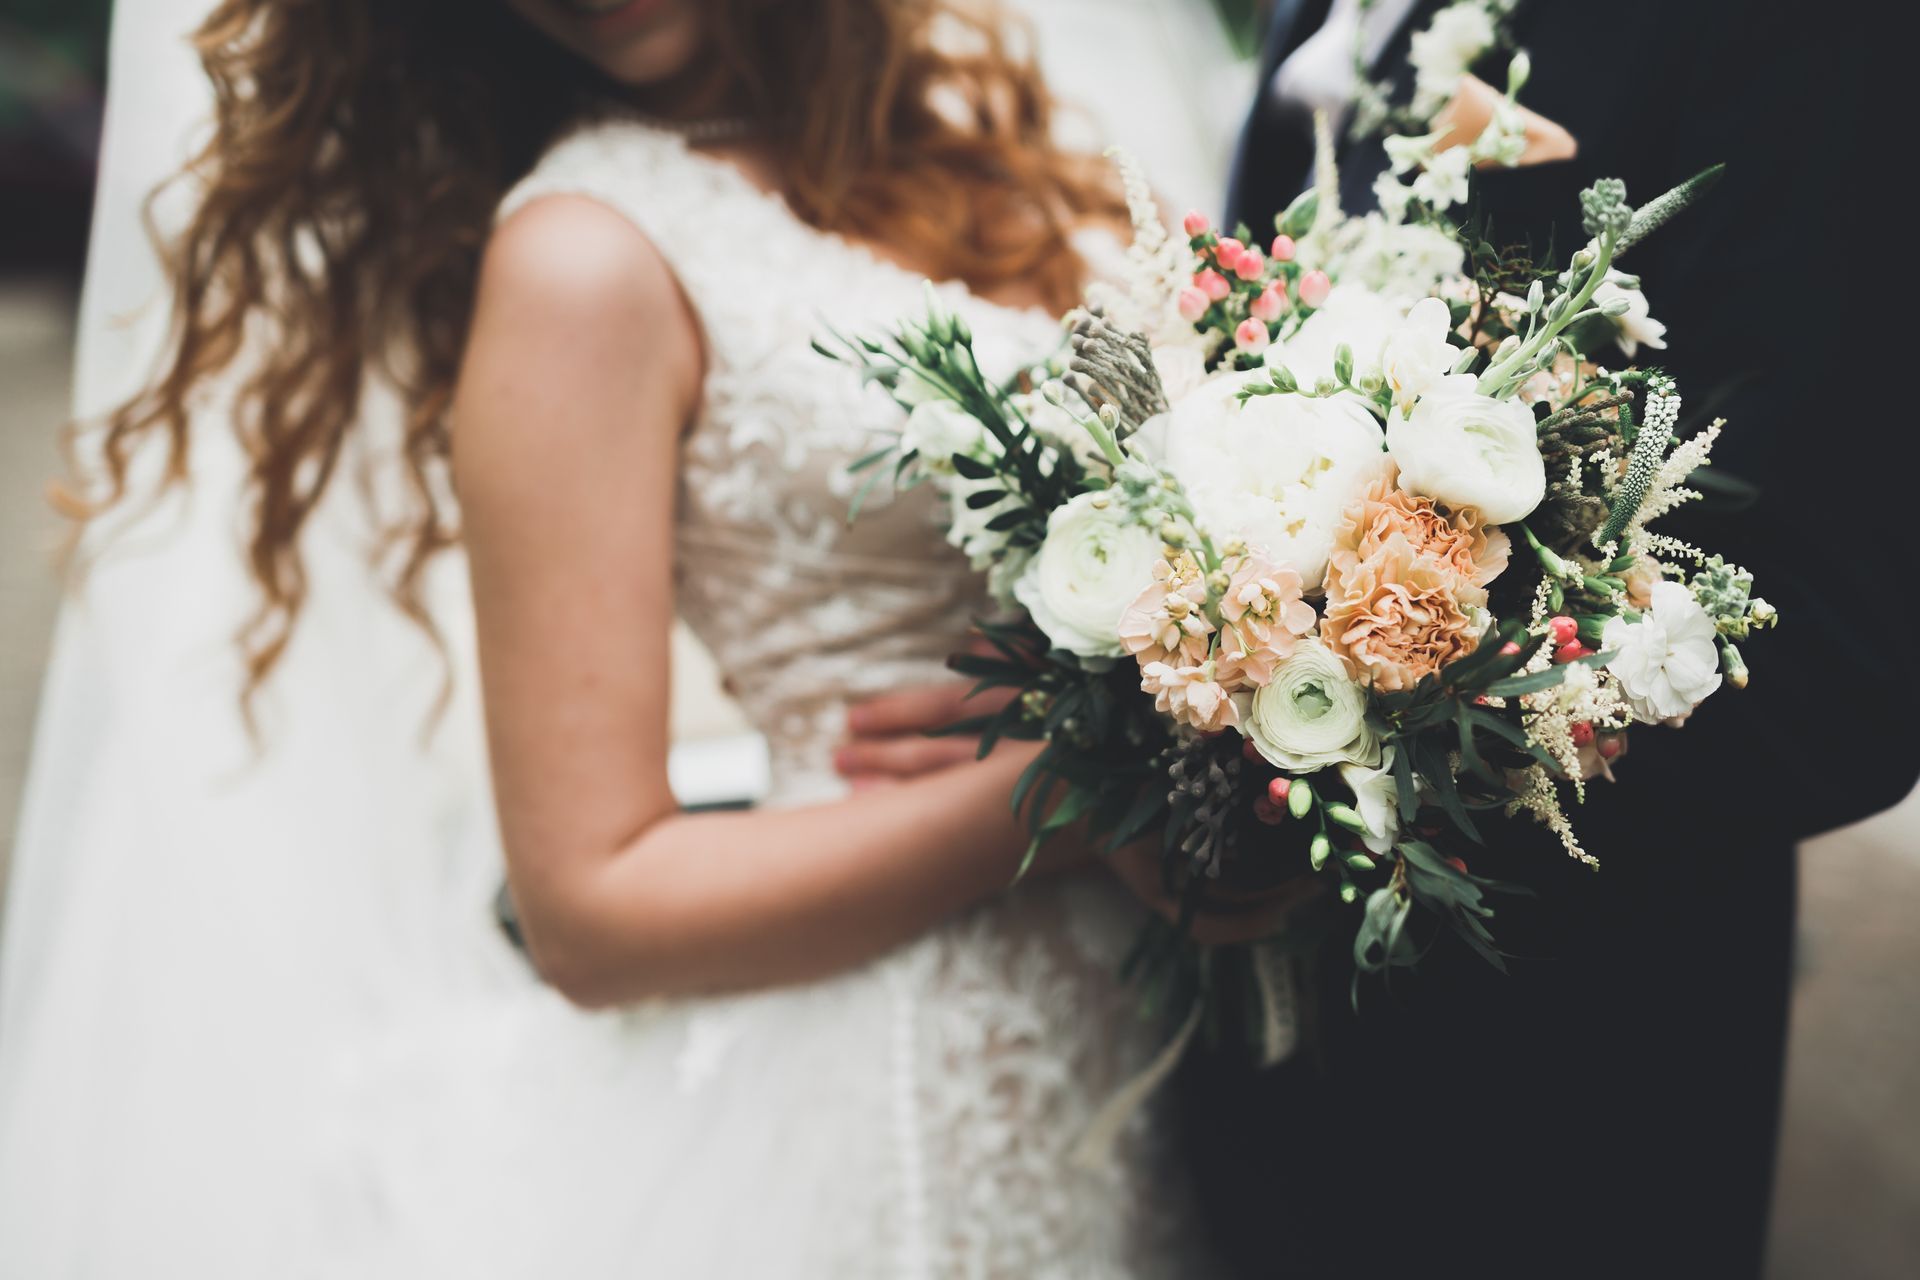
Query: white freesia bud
point(1519, 71)
point(1311, 714)
point(1094, 560)
point(1667, 662)
point(1417, 354)
point(938, 429)
point(1469, 450)
point(1620, 300)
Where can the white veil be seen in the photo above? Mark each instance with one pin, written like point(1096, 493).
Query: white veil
point(206, 941)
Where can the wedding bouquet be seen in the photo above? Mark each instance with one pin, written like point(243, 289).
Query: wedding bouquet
point(1318, 556)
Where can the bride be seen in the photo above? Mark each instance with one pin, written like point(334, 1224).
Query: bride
point(258, 1020)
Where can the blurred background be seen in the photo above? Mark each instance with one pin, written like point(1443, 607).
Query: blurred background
point(1848, 1194)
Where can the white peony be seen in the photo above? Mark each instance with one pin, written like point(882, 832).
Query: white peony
point(1417, 354)
point(1469, 450)
point(1635, 327)
point(1358, 318)
point(1095, 559)
point(1311, 714)
point(938, 428)
point(1276, 472)
point(1667, 663)
point(1376, 798)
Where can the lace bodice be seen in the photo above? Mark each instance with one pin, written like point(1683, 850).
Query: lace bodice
point(985, 1048)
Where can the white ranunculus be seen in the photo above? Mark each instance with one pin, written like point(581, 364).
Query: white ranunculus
point(1470, 450)
point(1311, 715)
point(1358, 318)
point(938, 429)
point(1376, 798)
point(1095, 559)
point(1667, 663)
point(1278, 471)
point(1417, 354)
point(1635, 326)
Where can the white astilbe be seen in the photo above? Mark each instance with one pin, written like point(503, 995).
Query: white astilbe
point(1157, 266)
point(1584, 696)
point(1539, 798)
point(1669, 488)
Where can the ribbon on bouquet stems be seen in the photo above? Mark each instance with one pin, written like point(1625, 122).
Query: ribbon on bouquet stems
point(1279, 1036)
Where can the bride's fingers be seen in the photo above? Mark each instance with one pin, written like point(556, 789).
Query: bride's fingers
point(902, 757)
point(921, 709)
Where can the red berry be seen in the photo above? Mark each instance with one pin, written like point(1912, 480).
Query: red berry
point(1277, 790)
point(1267, 811)
point(1458, 864)
point(1612, 745)
point(1565, 630)
point(1509, 648)
point(1571, 652)
point(1582, 733)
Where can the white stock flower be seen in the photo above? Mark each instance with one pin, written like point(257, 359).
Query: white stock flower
point(1417, 354)
point(1376, 798)
point(1469, 450)
point(1095, 559)
point(1635, 326)
point(1441, 54)
point(967, 528)
point(938, 428)
point(1443, 183)
point(1311, 714)
point(1276, 472)
point(1667, 663)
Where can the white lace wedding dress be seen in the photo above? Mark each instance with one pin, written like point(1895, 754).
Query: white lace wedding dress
point(240, 1063)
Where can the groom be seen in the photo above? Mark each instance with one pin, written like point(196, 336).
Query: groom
point(1610, 1107)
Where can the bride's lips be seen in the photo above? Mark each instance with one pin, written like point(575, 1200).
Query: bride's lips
point(610, 17)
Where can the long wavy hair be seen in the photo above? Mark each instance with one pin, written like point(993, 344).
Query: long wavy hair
point(359, 150)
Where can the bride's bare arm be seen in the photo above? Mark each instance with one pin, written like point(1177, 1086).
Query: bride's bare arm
point(583, 365)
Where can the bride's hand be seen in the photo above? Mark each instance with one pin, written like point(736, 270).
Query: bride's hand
point(887, 735)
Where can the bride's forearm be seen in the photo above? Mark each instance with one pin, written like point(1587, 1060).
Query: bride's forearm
point(710, 902)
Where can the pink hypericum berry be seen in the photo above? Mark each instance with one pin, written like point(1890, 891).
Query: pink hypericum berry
point(1277, 790)
point(1270, 305)
point(1251, 336)
point(1212, 283)
point(1314, 288)
point(1283, 248)
point(1565, 630)
point(1268, 812)
point(1610, 746)
point(1582, 733)
point(1229, 251)
point(1195, 223)
point(1193, 304)
point(1571, 652)
point(1250, 265)
point(1509, 649)
point(1458, 864)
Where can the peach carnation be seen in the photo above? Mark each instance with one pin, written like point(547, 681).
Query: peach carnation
point(1167, 622)
point(1264, 617)
point(1476, 552)
point(1400, 614)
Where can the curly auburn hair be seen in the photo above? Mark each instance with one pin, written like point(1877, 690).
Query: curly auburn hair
point(360, 148)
